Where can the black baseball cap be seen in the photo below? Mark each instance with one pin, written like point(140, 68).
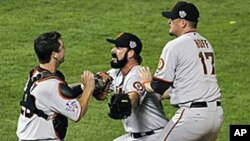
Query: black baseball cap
point(127, 40)
point(183, 10)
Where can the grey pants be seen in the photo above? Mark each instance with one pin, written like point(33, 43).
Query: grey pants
point(194, 123)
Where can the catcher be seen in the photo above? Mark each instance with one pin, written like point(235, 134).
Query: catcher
point(141, 113)
point(48, 102)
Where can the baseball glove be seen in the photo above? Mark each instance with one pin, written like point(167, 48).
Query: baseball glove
point(120, 106)
point(102, 83)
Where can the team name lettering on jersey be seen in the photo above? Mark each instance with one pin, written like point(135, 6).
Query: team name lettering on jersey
point(201, 43)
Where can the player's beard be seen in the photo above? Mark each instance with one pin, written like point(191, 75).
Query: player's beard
point(171, 34)
point(119, 63)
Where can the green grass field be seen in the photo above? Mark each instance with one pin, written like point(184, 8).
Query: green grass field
point(86, 24)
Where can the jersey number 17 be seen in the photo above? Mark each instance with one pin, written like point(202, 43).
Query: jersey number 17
point(207, 60)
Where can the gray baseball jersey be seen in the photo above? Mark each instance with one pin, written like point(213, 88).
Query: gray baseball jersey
point(149, 115)
point(50, 101)
point(189, 62)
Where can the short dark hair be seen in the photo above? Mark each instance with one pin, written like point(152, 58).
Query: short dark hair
point(45, 44)
point(192, 24)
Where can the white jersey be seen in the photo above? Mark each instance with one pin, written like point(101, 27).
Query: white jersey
point(148, 115)
point(188, 62)
point(50, 101)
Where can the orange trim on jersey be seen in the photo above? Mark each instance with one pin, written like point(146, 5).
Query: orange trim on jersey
point(60, 94)
point(160, 79)
point(165, 139)
point(58, 88)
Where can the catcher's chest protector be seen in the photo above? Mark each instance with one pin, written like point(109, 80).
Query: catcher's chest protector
point(60, 122)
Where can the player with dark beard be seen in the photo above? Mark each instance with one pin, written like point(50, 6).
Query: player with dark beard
point(141, 113)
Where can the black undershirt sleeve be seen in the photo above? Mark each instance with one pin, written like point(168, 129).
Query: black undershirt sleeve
point(77, 90)
point(160, 86)
point(68, 92)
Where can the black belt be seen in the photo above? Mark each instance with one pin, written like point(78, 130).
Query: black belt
point(139, 135)
point(202, 104)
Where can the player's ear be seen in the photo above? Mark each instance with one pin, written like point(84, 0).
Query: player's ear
point(131, 53)
point(54, 55)
point(184, 23)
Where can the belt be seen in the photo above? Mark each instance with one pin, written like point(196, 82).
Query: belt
point(202, 104)
point(139, 135)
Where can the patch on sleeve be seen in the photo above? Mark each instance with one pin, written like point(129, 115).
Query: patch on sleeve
point(161, 64)
point(71, 106)
point(138, 86)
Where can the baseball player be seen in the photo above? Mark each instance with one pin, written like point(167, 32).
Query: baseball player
point(186, 74)
point(141, 113)
point(48, 100)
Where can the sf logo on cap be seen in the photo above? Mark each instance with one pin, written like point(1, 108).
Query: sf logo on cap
point(182, 14)
point(132, 44)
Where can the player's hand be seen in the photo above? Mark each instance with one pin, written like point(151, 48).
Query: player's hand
point(87, 79)
point(145, 75)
